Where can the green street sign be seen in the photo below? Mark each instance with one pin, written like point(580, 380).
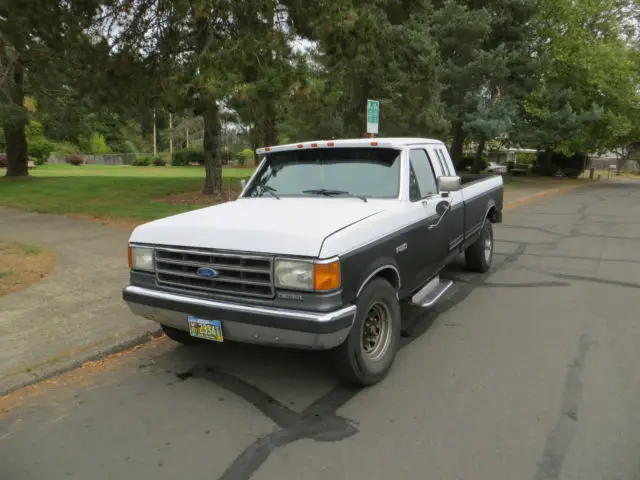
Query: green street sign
point(373, 116)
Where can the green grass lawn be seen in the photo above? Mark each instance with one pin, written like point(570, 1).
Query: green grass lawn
point(132, 193)
point(107, 191)
point(128, 171)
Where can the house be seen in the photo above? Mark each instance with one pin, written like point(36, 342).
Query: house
point(509, 155)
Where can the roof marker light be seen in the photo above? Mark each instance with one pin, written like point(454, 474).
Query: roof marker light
point(299, 145)
point(331, 144)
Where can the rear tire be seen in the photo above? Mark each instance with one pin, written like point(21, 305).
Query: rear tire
point(180, 336)
point(480, 254)
point(369, 351)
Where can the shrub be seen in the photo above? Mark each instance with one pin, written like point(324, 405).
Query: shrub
point(40, 148)
point(75, 159)
point(98, 144)
point(34, 129)
point(544, 170)
point(141, 162)
point(549, 164)
point(526, 157)
point(66, 148)
point(186, 157)
point(158, 161)
point(244, 156)
point(572, 172)
point(4, 163)
point(38, 161)
point(467, 162)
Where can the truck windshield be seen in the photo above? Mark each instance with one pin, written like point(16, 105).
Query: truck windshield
point(362, 172)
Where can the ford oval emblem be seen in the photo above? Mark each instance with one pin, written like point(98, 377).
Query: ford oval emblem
point(207, 272)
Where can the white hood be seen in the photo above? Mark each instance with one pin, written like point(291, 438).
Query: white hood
point(289, 226)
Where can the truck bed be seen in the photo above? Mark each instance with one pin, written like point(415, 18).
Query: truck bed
point(468, 178)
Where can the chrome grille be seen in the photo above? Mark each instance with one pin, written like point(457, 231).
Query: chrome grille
point(248, 275)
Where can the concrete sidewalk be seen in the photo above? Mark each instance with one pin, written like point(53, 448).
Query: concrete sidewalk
point(76, 313)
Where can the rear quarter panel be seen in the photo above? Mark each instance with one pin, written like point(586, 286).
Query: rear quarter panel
point(480, 196)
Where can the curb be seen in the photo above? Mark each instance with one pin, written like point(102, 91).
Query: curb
point(22, 380)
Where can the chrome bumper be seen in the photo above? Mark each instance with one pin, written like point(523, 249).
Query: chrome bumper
point(245, 323)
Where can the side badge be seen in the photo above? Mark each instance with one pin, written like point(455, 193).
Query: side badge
point(401, 248)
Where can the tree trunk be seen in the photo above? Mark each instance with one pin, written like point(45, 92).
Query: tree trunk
point(255, 144)
point(477, 165)
point(14, 130)
point(270, 126)
point(457, 143)
point(212, 161)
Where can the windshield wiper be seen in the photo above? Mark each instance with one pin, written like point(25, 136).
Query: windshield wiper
point(334, 193)
point(272, 191)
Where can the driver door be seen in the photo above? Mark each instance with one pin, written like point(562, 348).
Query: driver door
point(428, 244)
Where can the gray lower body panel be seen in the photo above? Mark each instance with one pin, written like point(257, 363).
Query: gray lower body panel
point(245, 323)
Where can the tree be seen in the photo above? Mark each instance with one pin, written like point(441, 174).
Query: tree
point(587, 98)
point(487, 65)
point(373, 50)
point(491, 118)
point(41, 42)
point(203, 55)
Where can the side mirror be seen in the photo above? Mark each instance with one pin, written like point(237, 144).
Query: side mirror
point(449, 184)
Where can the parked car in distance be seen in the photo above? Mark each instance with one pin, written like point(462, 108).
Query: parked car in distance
point(495, 167)
point(323, 245)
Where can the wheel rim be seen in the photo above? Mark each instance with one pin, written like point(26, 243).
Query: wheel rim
point(488, 247)
point(376, 331)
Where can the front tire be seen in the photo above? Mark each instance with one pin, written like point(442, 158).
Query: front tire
point(367, 354)
point(480, 254)
point(180, 336)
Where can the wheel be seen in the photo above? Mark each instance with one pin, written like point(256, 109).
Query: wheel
point(367, 354)
point(480, 254)
point(180, 336)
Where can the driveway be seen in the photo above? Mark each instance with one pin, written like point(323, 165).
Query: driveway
point(527, 372)
point(74, 314)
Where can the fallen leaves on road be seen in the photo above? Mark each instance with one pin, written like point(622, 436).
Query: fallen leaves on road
point(82, 376)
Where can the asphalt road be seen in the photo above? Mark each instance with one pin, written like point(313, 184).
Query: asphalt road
point(528, 372)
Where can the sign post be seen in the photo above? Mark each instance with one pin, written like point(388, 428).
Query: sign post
point(373, 117)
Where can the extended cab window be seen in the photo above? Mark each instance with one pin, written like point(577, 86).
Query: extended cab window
point(443, 162)
point(365, 172)
point(422, 182)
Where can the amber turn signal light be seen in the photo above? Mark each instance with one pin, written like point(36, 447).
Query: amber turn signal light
point(326, 276)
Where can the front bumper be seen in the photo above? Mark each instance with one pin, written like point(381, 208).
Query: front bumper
point(245, 323)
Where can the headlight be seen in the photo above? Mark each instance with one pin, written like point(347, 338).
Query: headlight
point(294, 275)
point(141, 258)
point(301, 275)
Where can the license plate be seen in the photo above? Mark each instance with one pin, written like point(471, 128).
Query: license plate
point(207, 329)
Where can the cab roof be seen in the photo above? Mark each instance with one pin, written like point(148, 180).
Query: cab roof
point(384, 142)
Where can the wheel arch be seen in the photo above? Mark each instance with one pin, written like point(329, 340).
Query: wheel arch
point(492, 212)
point(388, 271)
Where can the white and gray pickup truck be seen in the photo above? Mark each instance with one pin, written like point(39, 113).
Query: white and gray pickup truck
point(323, 245)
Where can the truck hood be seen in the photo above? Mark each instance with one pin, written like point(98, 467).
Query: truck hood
point(291, 226)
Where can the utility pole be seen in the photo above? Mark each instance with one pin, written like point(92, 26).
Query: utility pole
point(170, 133)
point(155, 149)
